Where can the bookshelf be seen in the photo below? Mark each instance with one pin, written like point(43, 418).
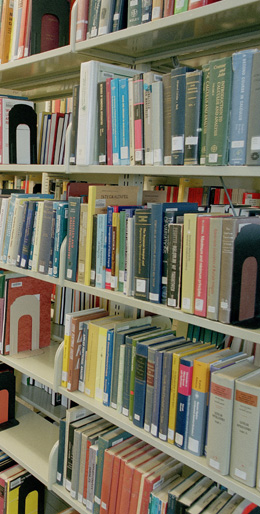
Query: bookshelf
point(194, 36)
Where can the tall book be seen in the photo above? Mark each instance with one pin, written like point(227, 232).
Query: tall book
point(204, 111)
point(220, 415)
point(124, 143)
point(167, 118)
point(149, 78)
point(180, 6)
point(201, 266)
point(73, 236)
point(178, 87)
point(242, 71)
point(138, 100)
point(107, 9)
point(157, 122)
point(142, 253)
point(91, 73)
point(253, 146)
point(189, 259)
point(220, 87)
point(174, 265)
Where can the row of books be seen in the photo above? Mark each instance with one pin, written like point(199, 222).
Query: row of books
point(51, 137)
point(108, 470)
point(17, 487)
point(186, 116)
point(98, 18)
point(21, 30)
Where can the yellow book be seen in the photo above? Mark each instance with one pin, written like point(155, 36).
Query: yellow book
point(33, 493)
point(188, 262)
point(6, 30)
point(99, 198)
point(176, 357)
point(157, 10)
point(92, 354)
point(184, 184)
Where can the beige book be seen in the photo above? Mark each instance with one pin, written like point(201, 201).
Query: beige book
point(220, 414)
point(109, 323)
point(218, 503)
point(188, 262)
point(245, 429)
point(92, 354)
point(157, 10)
point(149, 78)
point(232, 505)
point(214, 261)
point(16, 231)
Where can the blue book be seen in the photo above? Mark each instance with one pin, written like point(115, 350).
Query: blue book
point(101, 250)
point(115, 120)
point(141, 362)
point(108, 367)
point(53, 228)
point(20, 246)
point(124, 122)
point(60, 464)
point(242, 68)
point(25, 252)
point(60, 234)
point(155, 288)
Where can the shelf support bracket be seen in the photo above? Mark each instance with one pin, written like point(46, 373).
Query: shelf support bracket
point(175, 62)
point(228, 197)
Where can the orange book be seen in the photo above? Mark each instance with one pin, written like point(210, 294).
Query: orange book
point(127, 479)
point(168, 8)
point(118, 461)
point(23, 28)
point(151, 479)
point(108, 470)
point(6, 30)
point(138, 472)
point(28, 30)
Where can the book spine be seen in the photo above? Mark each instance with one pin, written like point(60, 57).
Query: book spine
point(140, 385)
point(156, 253)
point(92, 469)
point(174, 265)
point(167, 118)
point(188, 263)
point(53, 228)
point(82, 240)
point(124, 122)
point(215, 241)
point(218, 119)
point(101, 250)
point(192, 117)
point(82, 21)
point(127, 376)
point(148, 129)
point(93, 252)
point(134, 13)
point(149, 390)
point(106, 17)
point(157, 11)
point(198, 408)
point(109, 247)
point(83, 353)
point(120, 378)
point(30, 261)
point(22, 234)
point(108, 368)
point(157, 122)
point(180, 6)
point(158, 361)
point(178, 118)
point(183, 404)
point(168, 8)
point(138, 98)
point(226, 270)
point(115, 249)
point(167, 219)
point(242, 69)
point(102, 128)
point(93, 21)
point(27, 235)
point(60, 464)
point(204, 111)
point(142, 253)
point(120, 15)
point(73, 235)
point(122, 251)
point(253, 143)
point(201, 268)
point(115, 120)
point(165, 396)
point(109, 145)
point(131, 120)
point(147, 11)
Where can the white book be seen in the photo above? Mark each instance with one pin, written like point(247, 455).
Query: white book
point(220, 414)
point(157, 122)
point(149, 78)
point(3, 220)
point(91, 73)
point(15, 233)
point(37, 238)
point(107, 9)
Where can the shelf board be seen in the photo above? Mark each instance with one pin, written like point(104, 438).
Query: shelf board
point(30, 443)
point(171, 171)
point(65, 495)
point(41, 400)
point(32, 168)
point(213, 28)
point(170, 312)
point(37, 364)
point(30, 273)
point(198, 463)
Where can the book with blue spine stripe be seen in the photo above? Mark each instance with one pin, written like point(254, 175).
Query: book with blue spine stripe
point(115, 120)
point(124, 122)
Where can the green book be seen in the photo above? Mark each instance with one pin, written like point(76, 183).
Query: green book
point(181, 6)
point(220, 85)
point(134, 13)
point(204, 111)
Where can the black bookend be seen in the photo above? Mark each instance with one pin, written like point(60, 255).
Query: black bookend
point(22, 114)
point(29, 485)
point(7, 399)
point(245, 304)
point(50, 25)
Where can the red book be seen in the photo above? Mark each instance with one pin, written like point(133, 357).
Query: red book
point(201, 266)
point(109, 457)
point(175, 194)
point(109, 122)
point(82, 20)
point(151, 480)
point(168, 9)
point(193, 4)
point(217, 196)
point(251, 199)
point(27, 314)
point(53, 134)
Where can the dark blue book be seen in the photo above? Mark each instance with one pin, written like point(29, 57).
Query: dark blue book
point(60, 234)
point(108, 367)
point(61, 451)
point(20, 245)
point(25, 252)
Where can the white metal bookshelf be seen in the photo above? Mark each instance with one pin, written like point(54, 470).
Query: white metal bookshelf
point(194, 37)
